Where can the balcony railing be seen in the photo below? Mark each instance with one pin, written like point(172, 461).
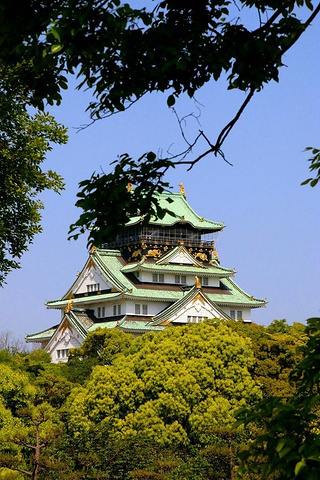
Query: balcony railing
point(190, 240)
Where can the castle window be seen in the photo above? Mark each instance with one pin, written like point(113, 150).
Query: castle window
point(138, 309)
point(101, 312)
point(233, 314)
point(204, 281)
point(181, 279)
point(196, 319)
point(158, 277)
point(239, 314)
point(62, 353)
point(93, 287)
point(116, 309)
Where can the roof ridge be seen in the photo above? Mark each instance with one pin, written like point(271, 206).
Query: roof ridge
point(108, 271)
point(236, 286)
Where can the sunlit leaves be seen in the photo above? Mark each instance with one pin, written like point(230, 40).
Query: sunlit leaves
point(289, 440)
point(25, 141)
point(161, 390)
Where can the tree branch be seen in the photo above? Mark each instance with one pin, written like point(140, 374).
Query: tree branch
point(274, 16)
point(226, 130)
point(305, 26)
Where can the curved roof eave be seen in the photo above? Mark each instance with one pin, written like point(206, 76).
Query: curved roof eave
point(183, 213)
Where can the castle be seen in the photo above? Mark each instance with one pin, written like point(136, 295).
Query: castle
point(155, 275)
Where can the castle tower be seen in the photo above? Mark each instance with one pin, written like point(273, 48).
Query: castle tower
point(164, 273)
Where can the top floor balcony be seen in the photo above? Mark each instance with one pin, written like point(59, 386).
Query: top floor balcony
point(164, 236)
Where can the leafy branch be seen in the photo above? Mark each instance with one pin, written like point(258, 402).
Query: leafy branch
point(313, 167)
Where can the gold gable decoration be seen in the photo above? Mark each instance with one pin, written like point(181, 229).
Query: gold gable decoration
point(69, 306)
point(197, 298)
point(202, 256)
point(69, 303)
point(154, 253)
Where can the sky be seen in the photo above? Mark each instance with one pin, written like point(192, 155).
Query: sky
point(272, 222)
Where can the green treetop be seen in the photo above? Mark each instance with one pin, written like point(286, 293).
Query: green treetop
point(175, 389)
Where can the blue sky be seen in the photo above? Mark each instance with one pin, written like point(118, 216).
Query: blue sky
point(272, 223)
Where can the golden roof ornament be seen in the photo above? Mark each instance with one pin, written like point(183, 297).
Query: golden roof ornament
point(93, 248)
point(129, 187)
point(69, 306)
point(197, 282)
point(182, 190)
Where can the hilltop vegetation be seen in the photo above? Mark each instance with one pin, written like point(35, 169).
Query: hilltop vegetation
point(164, 406)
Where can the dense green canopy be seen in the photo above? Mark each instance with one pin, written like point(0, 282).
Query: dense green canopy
point(163, 406)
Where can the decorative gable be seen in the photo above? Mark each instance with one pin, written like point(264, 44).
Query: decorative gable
point(65, 337)
point(91, 280)
point(192, 308)
point(197, 310)
point(180, 256)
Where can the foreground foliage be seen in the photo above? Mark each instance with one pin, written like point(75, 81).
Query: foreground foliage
point(25, 141)
point(288, 445)
point(163, 406)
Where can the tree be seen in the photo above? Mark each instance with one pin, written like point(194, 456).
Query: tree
point(121, 53)
point(174, 392)
point(104, 345)
point(289, 440)
point(276, 351)
point(29, 434)
point(100, 347)
point(24, 142)
point(11, 344)
point(29, 423)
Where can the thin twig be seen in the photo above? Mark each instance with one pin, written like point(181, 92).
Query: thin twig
point(274, 16)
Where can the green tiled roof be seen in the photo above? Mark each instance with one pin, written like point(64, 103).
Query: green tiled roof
point(183, 213)
point(41, 336)
point(81, 322)
point(112, 265)
point(136, 326)
point(106, 261)
point(109, 324)
point(127, 325)
point(203, 271)
point(78, 302)
point(236, 297)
